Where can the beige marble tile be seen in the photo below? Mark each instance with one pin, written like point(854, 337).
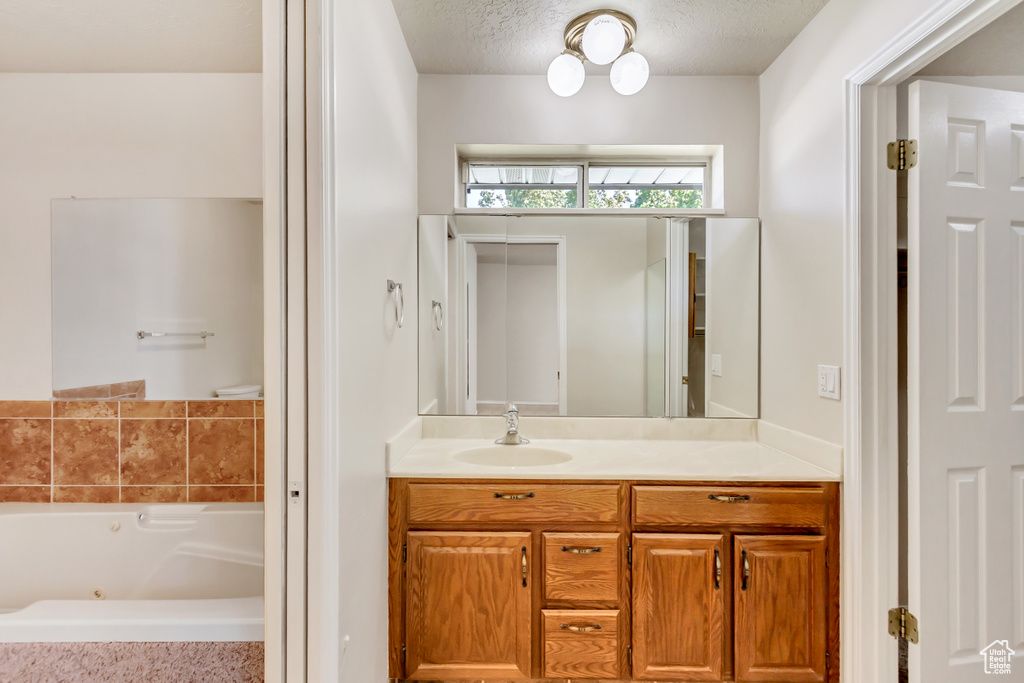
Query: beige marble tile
point(85, 452)
point(221, 451)
point(153, 452)
point(24, 451)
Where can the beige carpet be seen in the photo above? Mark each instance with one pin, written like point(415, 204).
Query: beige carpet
point(131, 662)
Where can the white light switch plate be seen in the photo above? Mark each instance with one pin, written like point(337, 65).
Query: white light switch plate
point(828, 381)
point(716, 364)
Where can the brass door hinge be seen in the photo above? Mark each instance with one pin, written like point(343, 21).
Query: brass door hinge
point(826, 661)
point(405, 552)
point(629, 658)
point(903, 624)
point(403, 658)
point(901, 155)
point(629, 555)
point(686, 379)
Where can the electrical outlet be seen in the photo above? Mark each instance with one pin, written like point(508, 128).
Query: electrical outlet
point(828, 381)
point(716, 364)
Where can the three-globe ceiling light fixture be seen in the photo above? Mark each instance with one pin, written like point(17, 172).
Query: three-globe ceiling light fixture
point(604, 36)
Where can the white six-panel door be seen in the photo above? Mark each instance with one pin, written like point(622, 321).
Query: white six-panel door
point(966, 379)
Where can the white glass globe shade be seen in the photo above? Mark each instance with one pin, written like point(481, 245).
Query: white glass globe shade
point(603, 39)
point(566, 75)
point(630, 73)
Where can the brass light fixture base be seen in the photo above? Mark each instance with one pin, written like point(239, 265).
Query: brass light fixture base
point(574, 30)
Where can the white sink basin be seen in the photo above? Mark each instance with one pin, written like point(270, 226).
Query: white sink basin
point(512, 456)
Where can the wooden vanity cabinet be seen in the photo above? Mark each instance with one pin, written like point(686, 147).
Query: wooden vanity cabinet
point(773, 613)
point(468, 605)
point(508, 580)
point(617, 581)
point(679, 603)
point(780, 611)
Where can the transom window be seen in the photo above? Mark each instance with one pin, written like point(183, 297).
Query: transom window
point(586, 185)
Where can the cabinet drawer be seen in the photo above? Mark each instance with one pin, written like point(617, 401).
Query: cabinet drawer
point(581, 567)
point(513, 503)
point(581, 643)
point(733, 505)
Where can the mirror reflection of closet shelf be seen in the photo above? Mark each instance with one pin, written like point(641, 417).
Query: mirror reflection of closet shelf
point(589, 315)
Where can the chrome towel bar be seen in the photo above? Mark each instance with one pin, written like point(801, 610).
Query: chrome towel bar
point(141, 334)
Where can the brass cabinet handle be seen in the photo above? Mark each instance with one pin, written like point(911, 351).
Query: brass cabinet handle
point(728, 499)
point(524, 564)
point(580, 551)
point(513, 496)
point(581, 629)
point(718, 570)
point(746, 571)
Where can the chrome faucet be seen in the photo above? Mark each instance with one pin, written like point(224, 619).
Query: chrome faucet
point(512, 436)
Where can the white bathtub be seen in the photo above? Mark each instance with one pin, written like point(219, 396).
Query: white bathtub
point(122, 572)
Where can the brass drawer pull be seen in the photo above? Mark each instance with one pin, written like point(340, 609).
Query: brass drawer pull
point(524, 566)
point(513, 496)
point(718, 570)
point(746, 571)
point(581, 629)
point(581, 551)
point(728, 499)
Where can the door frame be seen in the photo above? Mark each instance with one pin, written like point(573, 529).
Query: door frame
point(290, 155)
point(870, 540)
point(677, 326)
point(462, 242)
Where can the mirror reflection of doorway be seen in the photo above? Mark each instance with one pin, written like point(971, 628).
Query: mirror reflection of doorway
point(518, 299)
point(531, 323)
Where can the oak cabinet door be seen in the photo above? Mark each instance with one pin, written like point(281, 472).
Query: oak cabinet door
point(678, 607)
point(781, 591)
point(468, 606)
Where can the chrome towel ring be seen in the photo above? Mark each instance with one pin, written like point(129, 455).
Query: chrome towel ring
point(438, 315)
point(396, 289)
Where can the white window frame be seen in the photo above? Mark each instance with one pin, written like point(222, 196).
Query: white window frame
point(583, 185)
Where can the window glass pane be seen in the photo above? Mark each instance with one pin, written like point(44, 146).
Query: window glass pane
point(646, 187)
point(652, 198)
point(522, 198)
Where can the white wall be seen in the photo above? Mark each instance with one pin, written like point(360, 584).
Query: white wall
point(606, 261)
point(532, 332)
point(731, 316)
point(433, 286)
point(163, 265)
point(491, 360)
point(105, 135)
point(370, 155)
point(801, 204)
point(523, 110)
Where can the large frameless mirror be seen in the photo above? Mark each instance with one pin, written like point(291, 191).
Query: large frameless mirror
point(577, 315)
point(157, 298)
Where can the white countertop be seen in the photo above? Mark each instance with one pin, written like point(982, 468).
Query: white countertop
point(678, 459)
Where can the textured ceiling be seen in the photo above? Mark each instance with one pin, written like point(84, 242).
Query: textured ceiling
point(993, 51)
point(678, 37)
point(130, 36)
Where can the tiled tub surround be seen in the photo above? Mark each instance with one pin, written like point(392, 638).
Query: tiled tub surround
point(131, 451)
